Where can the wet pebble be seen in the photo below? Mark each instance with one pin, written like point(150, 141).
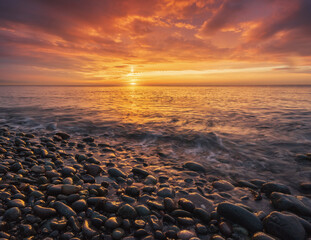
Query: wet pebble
point(240, 215)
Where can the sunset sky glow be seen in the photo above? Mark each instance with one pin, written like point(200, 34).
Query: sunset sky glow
point(155, 42)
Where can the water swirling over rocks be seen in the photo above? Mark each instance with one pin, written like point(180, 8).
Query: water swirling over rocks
point(58, 186)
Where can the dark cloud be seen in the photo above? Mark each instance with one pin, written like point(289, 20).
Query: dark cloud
point(296, 18)
point(227, 12)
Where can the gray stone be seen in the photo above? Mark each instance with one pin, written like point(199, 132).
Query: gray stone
point(166, 192)
point(115, 172)
point(284, 226)
point(284, 202)
point(112, 223)
point(240, 216)
point(12, 214)
point(141, 172)
point(185, 235)
point(270, 187)
point(88, 232)
point(222, 185)
point(262, 236)
point(142, 210)
point(16, 203)
point(93, 169)
point(117, 234)
point(44, 212)
point(127, 211)
point(79, 205)
point(193, 166)
point(64, 209)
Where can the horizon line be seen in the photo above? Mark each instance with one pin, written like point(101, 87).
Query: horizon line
point(154, 85)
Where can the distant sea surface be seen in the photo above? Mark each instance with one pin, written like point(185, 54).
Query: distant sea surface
point(237, 132)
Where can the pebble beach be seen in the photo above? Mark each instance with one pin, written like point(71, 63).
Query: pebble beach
point(59, 186)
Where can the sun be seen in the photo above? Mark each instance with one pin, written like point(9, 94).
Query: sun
point(133, 83)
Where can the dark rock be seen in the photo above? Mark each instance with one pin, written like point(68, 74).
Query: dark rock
point(64, 209)
point(159, 235)
point(44, 212)
point(74, 223)
point(247, 184)
point(270, 187)
point(201, 229)
point(68, 171)
point(88, 139)
point(58, 224)
point(225, 228)
point(111, 207)
point(202, 214)
point(140, 233)
point(97, 222)
point(54, 190)
point(240, 216)
point(93, 169)
point(16, 203)
point(171, 234)
point(284, 202)
point(169, 204)
point(115, 172)
point(217, 237)
point(262, 236)
point(155, 223)
point(141, 172)
point(166, 192)
point(155, 205)
point(79, 205)
point(194, 167)
point(139, 223)
point(16, 166)
point(132, 191)
point(87, 178)
point(181, 213)
point(69, 189)
point(98, 202)
point(185, 221)
point(284, 226)
point(142, 210)
point(222, 185)
point(112, 223)
point(151, 180)
point(306, 187)
point(88, 232)
point(185, 235)
point(186, 204)
point(12, 214)
point(67, 236)
point(117, 234)
point(63, 135)
point(26, 230)
point(127, 211)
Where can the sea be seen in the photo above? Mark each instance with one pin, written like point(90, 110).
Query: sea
point(236, 132)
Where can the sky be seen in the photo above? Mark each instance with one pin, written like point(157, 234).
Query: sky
point(155, 42)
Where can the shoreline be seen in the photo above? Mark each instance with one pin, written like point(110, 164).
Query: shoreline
point(57, 186)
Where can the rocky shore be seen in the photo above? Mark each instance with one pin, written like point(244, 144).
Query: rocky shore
point(57, 186)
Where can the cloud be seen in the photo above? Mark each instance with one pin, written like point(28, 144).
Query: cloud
point(93, 39)
point(295, 17)
point(228, 11)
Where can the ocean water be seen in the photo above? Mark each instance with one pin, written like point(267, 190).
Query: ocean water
point(236, 132)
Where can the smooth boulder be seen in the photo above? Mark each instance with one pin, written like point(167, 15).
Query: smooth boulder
point(284, 226)
point(240, 216)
